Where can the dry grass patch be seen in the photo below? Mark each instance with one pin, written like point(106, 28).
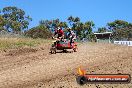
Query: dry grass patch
point(9, 43)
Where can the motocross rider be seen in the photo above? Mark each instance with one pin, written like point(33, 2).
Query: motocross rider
point(71, 36)
point(60, 35)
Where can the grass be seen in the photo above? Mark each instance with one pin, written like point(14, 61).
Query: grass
point(8, 43)
point(11, 43)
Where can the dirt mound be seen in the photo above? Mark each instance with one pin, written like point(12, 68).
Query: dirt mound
point(20, 51)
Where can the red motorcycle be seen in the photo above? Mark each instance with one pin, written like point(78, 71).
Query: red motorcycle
point(63, 44)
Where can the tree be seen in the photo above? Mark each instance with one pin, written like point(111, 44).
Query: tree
point(15, 18)
point(121, 29)
point(76, 25)
point(117, 24)
point(83, 30)
point(86, 31)
point(2, 23)
point(52, 24)
point(39, 32)
point(74, 22)
point(102, 29)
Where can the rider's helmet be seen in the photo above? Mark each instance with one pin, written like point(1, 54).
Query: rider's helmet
point(58, 28)
point(69, 28)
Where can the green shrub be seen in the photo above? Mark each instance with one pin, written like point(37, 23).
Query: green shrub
point(39, 32)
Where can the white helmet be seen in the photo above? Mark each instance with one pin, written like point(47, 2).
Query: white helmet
point(58, 28)
point(69, 28)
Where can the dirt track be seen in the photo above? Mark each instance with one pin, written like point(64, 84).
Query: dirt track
point(36, 68)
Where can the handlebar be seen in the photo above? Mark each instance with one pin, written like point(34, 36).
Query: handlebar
point(55, 38)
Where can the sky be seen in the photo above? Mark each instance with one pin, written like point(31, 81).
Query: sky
point(99, 11)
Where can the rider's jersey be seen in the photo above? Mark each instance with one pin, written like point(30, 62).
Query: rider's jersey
point(72, 35)
point(59, 32)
